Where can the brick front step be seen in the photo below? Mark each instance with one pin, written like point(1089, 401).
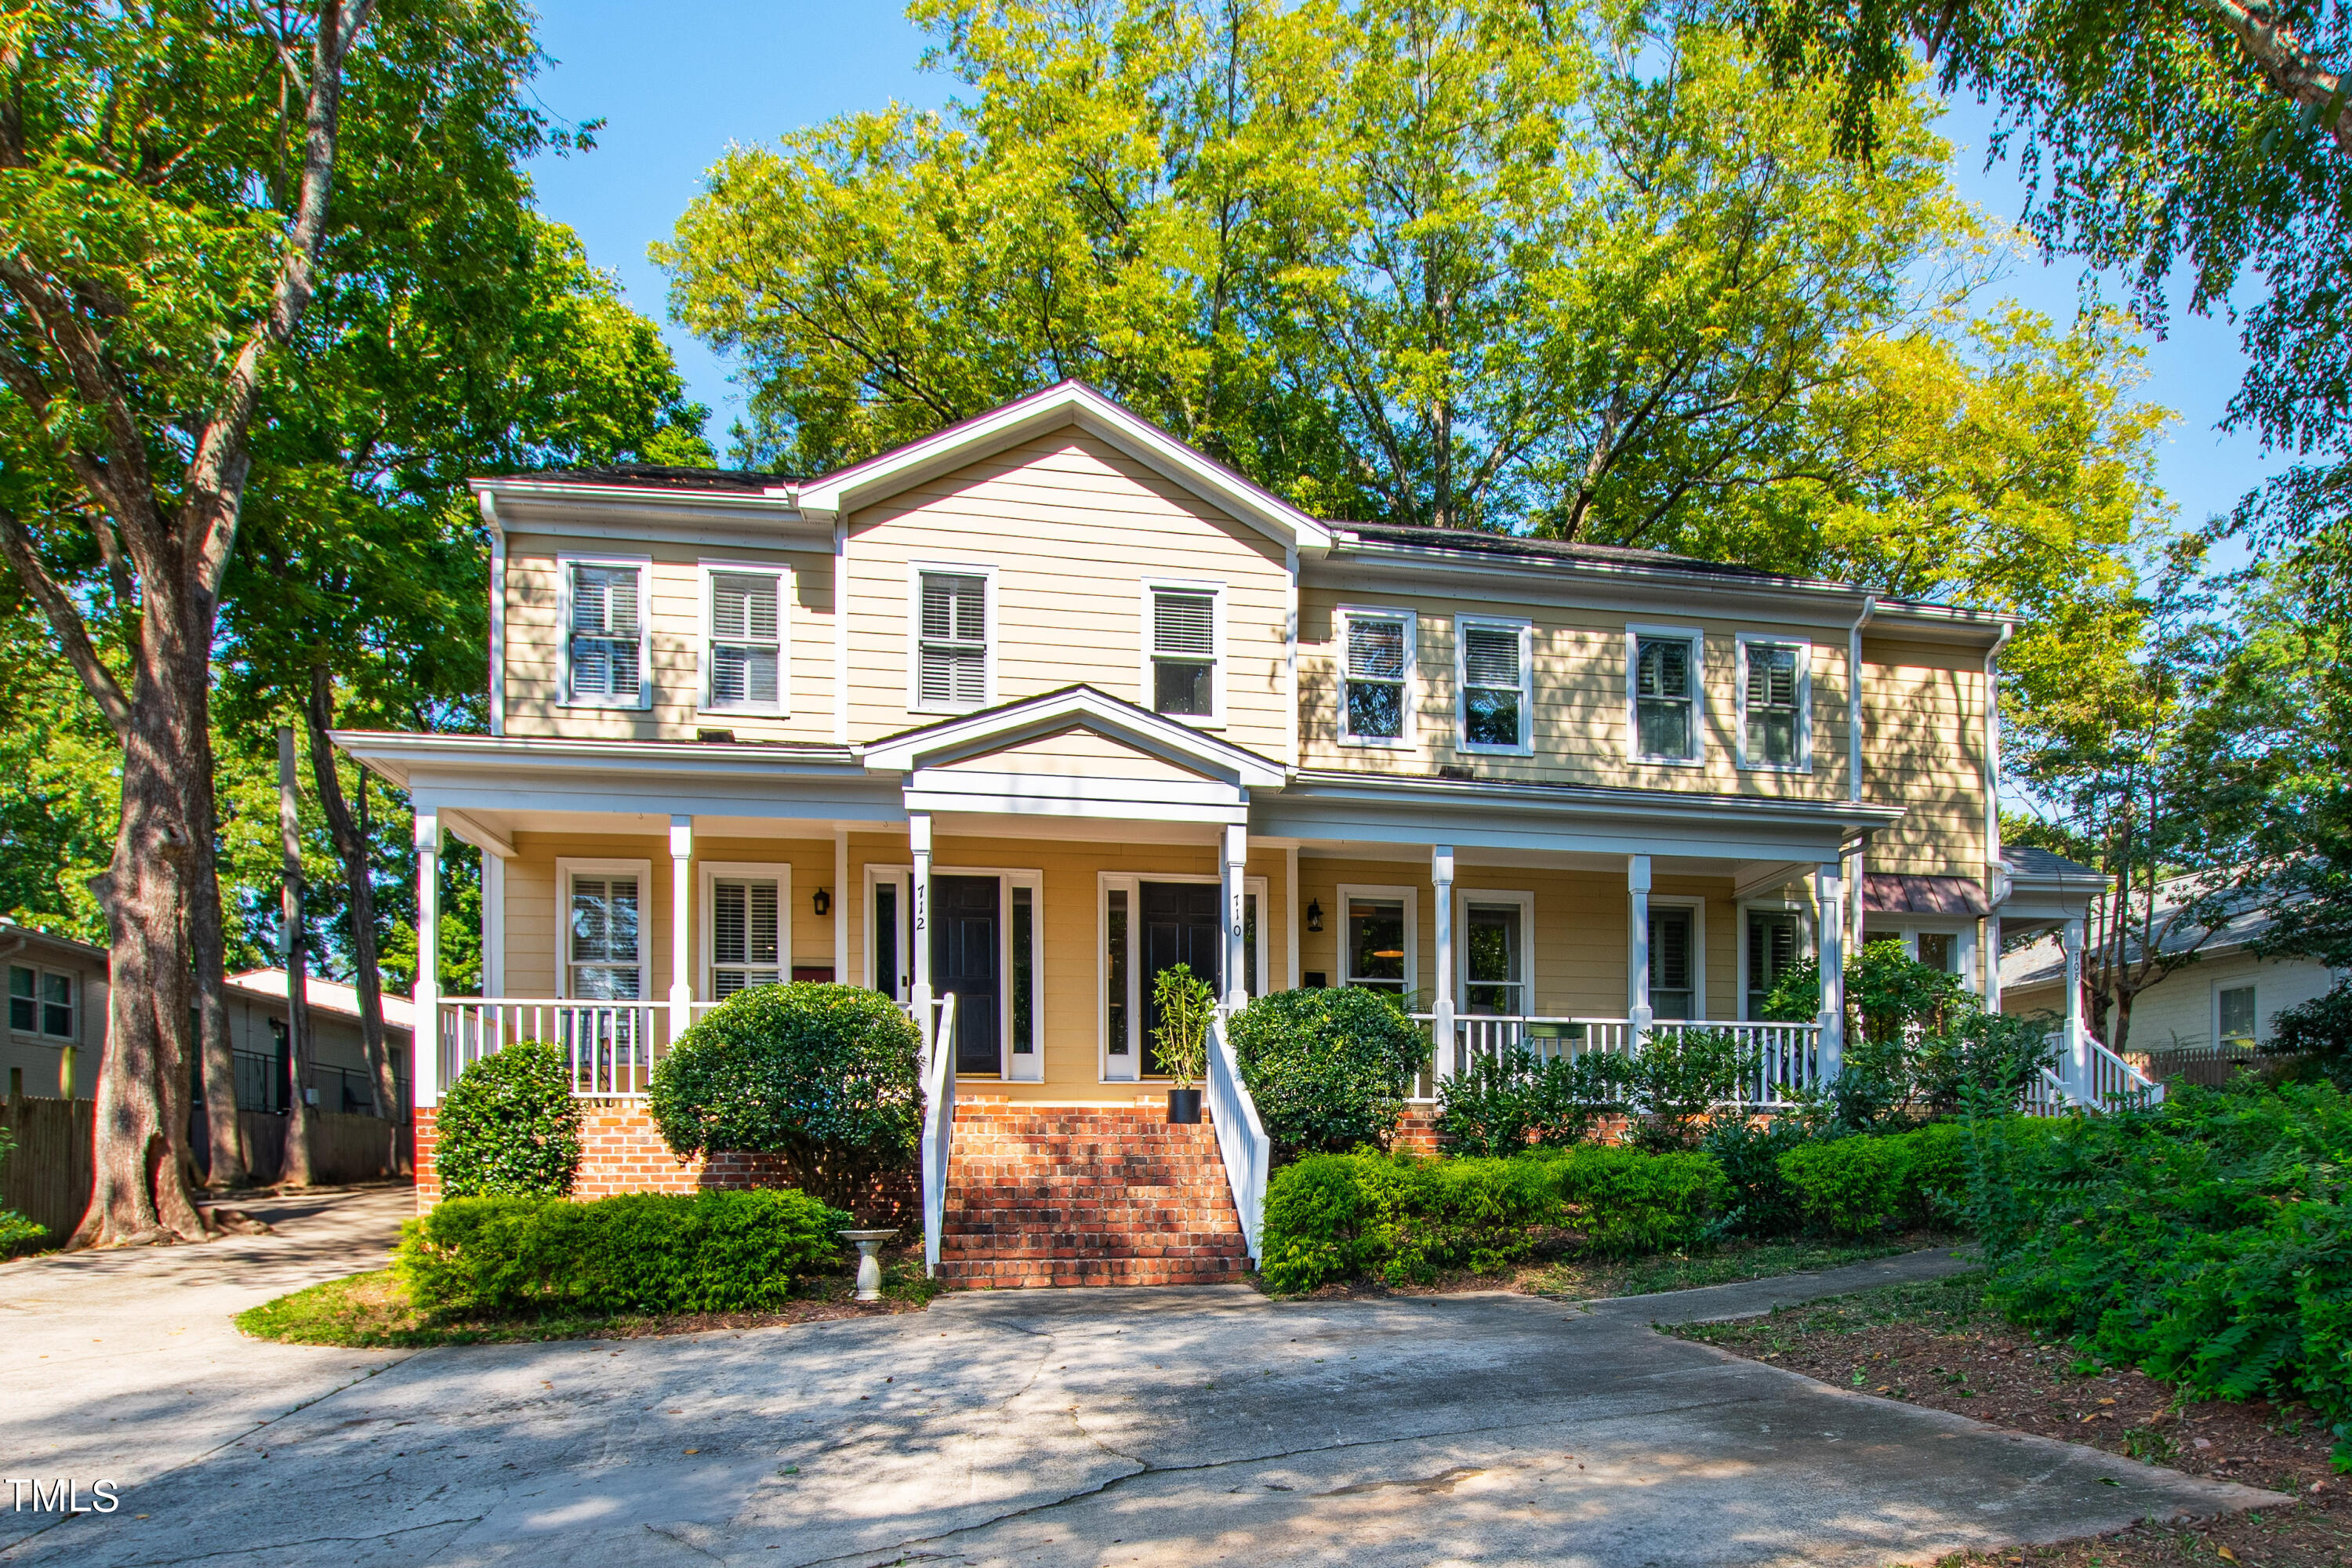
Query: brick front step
point(1086, 1195)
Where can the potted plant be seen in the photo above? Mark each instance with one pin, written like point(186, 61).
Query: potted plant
point(1183, 1000)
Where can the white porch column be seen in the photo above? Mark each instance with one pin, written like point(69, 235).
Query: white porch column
point(841, 907)
point(1829, 907)
point(918, 919)
point(494, 923)
point(424, 1069)
point(2078, 1062)
point(681, 924)
point(1233, 862)
point(1442, 1030)
point(1990, 955)
point(1637, 951)
point(1855, 929)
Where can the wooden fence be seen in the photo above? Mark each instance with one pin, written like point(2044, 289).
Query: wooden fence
point(47, 1178)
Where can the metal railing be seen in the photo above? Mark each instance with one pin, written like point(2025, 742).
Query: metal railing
point(938, 1121)
point(608, 1046)
point(1242, 1142)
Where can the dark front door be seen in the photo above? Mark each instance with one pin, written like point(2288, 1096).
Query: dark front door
point(964, 961)
point(1180, 926)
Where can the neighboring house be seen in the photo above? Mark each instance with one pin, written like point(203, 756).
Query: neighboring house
point(1039, 706)
point(56, 1012)
point(258, 1034)
point(2223, 998)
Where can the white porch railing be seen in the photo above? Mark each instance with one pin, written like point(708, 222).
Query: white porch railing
point(938, 1123)
point(608, 1046)
point(2097, 1079)
point(1242, 1141)
point(2045, 1095)
point(1788, 1055)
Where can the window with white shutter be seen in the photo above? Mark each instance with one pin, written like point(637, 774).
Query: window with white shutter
point(1494, 691)
point(1774, 685)
point(951, 641)
point(1673, 987)
point(745, 948)
point(1374, 703)
point(1665, 683)
point(1184, 652)
point(746, 654)
point(606, 645)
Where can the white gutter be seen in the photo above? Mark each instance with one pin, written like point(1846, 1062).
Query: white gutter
point(489, 502)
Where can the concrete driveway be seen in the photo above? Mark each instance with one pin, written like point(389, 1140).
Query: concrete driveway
point(1137, 1427)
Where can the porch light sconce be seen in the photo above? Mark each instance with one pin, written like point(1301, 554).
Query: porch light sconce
point(824, 903)
point(1314, 915)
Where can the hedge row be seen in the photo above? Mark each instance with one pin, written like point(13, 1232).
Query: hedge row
point(651, 1252)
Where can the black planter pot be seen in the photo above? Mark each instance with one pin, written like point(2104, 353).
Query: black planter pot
point(1184, 1106)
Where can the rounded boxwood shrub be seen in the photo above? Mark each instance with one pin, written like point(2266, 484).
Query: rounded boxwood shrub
point(828, 1076)
point(1849, 1186)
point(1329, 1069)
point(509, 1126)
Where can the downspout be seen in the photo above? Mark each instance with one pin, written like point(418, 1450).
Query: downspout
point(489, 507)
point(1996, 871)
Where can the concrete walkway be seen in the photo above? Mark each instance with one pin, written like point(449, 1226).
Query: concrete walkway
point(1155, 1426)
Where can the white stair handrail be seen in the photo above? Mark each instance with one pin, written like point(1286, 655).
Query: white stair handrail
point(938, 1123)
point(1242, 1142)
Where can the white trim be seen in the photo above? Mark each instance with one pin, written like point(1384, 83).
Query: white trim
point(566, 869)
point(1290, 654)
point(1131, 884)
point(1696, 905)
point(1525, 747)
point(1411, 897)
point(1126, 723)
point(1146, 652)
point(1803, 649)
point(645, 569)
point(841, 633)
point(1290, 909)
point(782, 707)
point(1007, 878)
point(898, 984)
point(708, 873)
point(486, 504)
point(1635, 632)
point(1408, 698)
point(991, 631)
point(1525, 901)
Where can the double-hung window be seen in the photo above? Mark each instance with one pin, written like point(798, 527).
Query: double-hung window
point(1775, 942)
point(1664, 676)
point(747, 927)
point(744, 662)
point(1494, 949)
point(1375, 700)
point(1775, 683)
point(1185, 651)
point(951, 641)
point(2233, 1016)
point(1674, 961)
point(605, 648)
point(603, 952)
point(1493, 677)
point(40, 1002)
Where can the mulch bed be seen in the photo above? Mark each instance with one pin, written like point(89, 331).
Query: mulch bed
point(1939, 1345)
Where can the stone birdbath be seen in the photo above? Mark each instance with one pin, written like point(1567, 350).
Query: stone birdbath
point(869, 1267)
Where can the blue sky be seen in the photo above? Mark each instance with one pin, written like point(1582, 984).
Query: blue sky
point(674, 93)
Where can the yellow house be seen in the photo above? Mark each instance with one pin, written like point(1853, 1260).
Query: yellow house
point(1027, 711)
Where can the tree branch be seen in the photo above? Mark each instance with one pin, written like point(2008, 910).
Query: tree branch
point(2290, 67)
point(65, 620)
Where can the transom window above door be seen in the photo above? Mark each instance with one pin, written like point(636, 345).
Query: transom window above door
point(951, 641)
point(745, 659)
point(1184, 663)
point(604, 957)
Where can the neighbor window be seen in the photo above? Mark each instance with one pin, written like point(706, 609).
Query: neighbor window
point(1939, 950)
point(1494, 959)
point(1671, 961)
point(746, 640)
point(952, 658)
point(1184, 652)
point(603, 937)
point(607, 636)
point(1772, 947)
point(2235, 1004)
point(1494, 676)
point(1378, 652)
point(41, 1001)
point(1774, 683)
point(745, 946)
point(1666, 696)
point(1375, 939)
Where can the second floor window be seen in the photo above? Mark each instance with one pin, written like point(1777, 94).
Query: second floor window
point(602, 945)
point(1772, 705)
point(1184, 652)
point(607, 636)
point(1665, 698)
point(1494, 686)
point(746, 650)
point(1379, 652)
point(952, 642)
point(744, 949)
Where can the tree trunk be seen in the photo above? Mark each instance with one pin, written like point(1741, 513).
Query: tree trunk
point(301, 1048)
point(207, 945)
point(351, 843)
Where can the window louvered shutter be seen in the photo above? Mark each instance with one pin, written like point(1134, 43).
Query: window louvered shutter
point(1771, 678)
point(604, 631)
point(1490, 657)
point(1670, 956)
point(743, 608)
point(744, 937)
point(954, 663)
point(1664, 668)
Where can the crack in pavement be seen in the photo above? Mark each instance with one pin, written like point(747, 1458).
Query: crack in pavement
point(247, 1548)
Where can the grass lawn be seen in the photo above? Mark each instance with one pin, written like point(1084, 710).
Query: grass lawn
point(373, 1311)
point(1942, 1344)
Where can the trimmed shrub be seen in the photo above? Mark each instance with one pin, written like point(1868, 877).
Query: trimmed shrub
point(1623, 1201)
point(828, 1076)
point(1674, 1082)
point(1748, 1149)
point(1337, 1216)
point(1849, 1186)
point(1502, 1104)
point(643, 1252)
point(1936, 1184)
point(1329, 1069)
point(509, 1126)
